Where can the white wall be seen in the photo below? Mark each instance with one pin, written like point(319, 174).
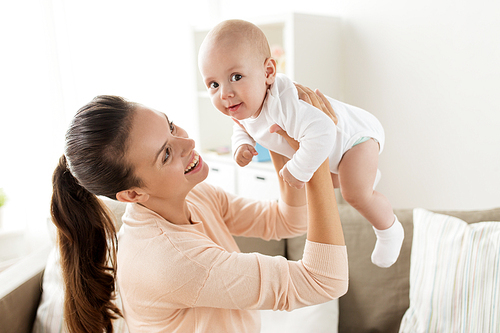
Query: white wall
point(430, 71)
point(57, 55)
point(138, 50)
point(30, 114)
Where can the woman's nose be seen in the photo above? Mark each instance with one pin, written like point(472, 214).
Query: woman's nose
point(187, 145)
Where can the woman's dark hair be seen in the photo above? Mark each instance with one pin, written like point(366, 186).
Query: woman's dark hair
point(93, 164)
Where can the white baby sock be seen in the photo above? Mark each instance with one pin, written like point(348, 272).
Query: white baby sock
point(388, 245)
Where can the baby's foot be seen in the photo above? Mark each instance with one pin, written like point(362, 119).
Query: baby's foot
point(388, 245)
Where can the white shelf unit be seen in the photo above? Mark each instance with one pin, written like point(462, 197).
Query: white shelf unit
point(312, 56)
point(258, 180)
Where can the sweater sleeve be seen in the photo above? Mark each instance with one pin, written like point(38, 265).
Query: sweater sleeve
point(255, 218)
point(255, 281)
point(234, 280)
point(164, 266)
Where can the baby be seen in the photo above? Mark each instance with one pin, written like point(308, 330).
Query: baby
point(240, 75)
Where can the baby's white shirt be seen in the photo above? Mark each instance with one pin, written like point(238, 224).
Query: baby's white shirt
point(318, 135)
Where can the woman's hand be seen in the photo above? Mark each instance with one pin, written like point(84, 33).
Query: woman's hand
point(290, 179)
point(323, 217)
point(316, 99)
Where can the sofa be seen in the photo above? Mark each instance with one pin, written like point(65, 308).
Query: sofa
point(378, 299)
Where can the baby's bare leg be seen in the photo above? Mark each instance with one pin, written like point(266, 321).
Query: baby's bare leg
point(357, 173)
point(335, 180)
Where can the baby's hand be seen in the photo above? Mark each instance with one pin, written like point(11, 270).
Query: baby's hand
point(244, 154)
point(289, 179)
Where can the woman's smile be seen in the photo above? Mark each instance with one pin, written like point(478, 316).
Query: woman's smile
point(195, 164)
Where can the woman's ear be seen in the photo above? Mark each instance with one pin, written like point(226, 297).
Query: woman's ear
point(270, 66)
point(132, 195)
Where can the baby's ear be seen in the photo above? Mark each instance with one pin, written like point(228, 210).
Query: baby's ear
point(270, 66)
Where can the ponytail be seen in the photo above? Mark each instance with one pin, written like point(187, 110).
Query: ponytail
point(93, 164)
point(87, 242)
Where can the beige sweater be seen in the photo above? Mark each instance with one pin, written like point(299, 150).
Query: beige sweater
point(193, 278)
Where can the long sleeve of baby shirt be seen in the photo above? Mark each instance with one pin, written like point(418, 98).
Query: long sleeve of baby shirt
point(311, 127)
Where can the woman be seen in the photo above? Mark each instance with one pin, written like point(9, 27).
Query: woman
point(178, 267)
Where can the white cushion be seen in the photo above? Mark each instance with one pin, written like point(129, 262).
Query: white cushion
point(454, 276)
point(320, 318)
point(49, 315)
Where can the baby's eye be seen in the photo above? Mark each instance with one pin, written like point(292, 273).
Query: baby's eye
point(172, 126)
point(213, 85)
point(236, 77)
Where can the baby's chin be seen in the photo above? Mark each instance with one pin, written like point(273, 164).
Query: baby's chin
point(242, 115)
point(256, 113)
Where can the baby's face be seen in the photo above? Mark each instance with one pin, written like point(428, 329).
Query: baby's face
point(235, 77)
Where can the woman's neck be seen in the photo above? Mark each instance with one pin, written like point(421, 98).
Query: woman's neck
point(174, 212)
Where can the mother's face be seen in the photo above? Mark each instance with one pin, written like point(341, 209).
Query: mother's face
point(163, 156)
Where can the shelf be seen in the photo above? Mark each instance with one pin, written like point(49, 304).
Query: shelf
point(257, 180)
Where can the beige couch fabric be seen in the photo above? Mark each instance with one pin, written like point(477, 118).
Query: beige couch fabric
point(378, 297)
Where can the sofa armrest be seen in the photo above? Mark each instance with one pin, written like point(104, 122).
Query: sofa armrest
point(20, 292)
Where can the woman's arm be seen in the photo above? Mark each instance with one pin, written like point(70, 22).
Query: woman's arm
point(322, 213)
point(323, 219)
point(290, 195)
